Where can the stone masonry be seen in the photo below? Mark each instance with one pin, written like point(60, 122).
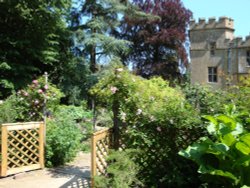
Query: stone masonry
point(218, 58)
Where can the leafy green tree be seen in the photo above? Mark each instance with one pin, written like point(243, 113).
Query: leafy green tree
point(34, 39)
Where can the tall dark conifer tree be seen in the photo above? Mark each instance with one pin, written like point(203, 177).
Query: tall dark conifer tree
point(98, 19)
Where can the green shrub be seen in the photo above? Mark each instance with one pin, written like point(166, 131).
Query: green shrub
point(63, 138)
point(122, 171)
point(205, 99)
point(224, 158)
point(155, 119)
point(84, 119)
point(9, 110)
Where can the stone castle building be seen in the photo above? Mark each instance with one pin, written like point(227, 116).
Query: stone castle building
point(218, 58)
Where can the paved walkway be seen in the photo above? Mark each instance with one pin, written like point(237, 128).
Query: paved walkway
point(72, 175)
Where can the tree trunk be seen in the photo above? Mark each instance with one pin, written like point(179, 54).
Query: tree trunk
point(115, 109)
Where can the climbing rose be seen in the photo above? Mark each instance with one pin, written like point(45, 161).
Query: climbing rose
point(113, 89)
point(139, 111)
point(35, 81)
point(123, 116)
point(40, 91)
point(36, 101)
point(120, 69)
point(158, 129)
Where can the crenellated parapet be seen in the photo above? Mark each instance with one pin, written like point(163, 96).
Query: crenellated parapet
point(238, 42)
point(246, 42)
point(212, 23)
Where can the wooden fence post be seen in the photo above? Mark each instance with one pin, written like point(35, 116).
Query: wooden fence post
point(4, 150)
point(93, 160)
point(41, 144)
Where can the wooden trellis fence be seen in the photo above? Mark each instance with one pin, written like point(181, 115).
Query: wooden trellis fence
point(101, 144)
point(22, 147)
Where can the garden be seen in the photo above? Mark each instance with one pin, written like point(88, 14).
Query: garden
point(120, 65)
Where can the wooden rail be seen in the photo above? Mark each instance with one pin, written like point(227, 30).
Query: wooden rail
point(22, 147)
point(100, 145)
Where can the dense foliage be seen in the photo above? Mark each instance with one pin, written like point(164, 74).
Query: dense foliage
point(8, 110)
point(62, 138)
point(122, 171)
point(204, 98)
point(33, 39)
point(154, 119)
point(224, 156)
point(157, 43)
point(98, 20)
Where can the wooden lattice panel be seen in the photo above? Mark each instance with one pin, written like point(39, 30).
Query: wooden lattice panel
point(22, 147)
point(101, 144)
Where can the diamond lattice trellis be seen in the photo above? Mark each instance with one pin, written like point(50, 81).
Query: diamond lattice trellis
point(22, 147)
point(101, 144)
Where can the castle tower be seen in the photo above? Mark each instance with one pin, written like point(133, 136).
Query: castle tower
point(211, 56)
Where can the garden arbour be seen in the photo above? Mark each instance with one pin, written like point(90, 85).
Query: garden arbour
point(152, 118)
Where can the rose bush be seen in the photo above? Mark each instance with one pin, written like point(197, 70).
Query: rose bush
point(154, 119)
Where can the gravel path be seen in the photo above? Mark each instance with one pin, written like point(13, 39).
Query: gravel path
point(72, 175)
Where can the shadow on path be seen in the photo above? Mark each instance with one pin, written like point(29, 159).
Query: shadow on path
point(79, 174)
point(77, 182)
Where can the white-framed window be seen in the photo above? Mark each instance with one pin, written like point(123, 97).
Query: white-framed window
point(212, 74)
point(212, 48)
point(248, 57)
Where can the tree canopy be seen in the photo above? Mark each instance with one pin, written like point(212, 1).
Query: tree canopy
point(33, 39)
point(157, 44)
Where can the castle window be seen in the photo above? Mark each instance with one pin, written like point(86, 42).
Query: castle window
point(212, 74)
point(212, 48)
point(248, 57)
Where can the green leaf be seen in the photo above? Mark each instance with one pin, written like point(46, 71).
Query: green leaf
point(246, 139)
point(211, 119)
point(230, 122)
point(238, 130)
point(242, 147)
point(228, 139)
point(218, 148)
point(195, 151)
point(245, 161)
point(209, 170)
point(211, 128)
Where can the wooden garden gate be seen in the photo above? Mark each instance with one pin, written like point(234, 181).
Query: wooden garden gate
point(101, 143)
point(22, 147)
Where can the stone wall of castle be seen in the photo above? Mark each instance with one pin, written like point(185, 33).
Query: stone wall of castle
point(229, 53)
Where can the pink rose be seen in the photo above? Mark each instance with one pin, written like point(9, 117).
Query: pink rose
point(113, 89)
point(25, 94)
point(35, 81)
point(40, 91)
point(36, 102)
point(46, 87)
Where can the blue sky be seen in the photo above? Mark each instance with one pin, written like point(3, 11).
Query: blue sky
point(239, 10)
